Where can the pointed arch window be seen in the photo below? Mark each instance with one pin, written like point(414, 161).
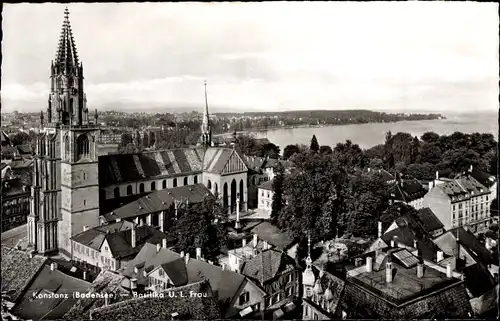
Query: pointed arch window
point(153, 186)
point(67, 150)
point(141, 188)
point(209, 185)
point(82, 145)
point(129, 190)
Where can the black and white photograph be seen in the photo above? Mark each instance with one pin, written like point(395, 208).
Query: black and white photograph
point(250, 160)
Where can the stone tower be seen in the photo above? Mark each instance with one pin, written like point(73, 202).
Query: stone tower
point(206, 129)
point(65, 190)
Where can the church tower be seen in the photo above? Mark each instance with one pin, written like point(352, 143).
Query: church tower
point(206, 129)
point(65, 190)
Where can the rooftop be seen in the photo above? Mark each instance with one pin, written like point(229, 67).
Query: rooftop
point(429, 220)
point(273, 235)
point(160, 200)
point(187, 307)
point(266, 265)
point(483, 177)
point(405, 284)
point(407, 190)
point(18, 270)
point(267, 185)
point(463, 186)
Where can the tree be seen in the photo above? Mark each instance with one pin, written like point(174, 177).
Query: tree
point(494, 207)
point(145, 140)
point(325, 149)
point(19, 138)
point(277, 204)
point(196, 227)
point(248, 145)
point(130, 149)
point(400, 167)
point(349, 155)
point(376, 163)
point(401, 148)
point(458, 160)
point(377, 151)
point(430, 153)
point(270, 150)
point(290, 150)
point(314, 144)
point(423, 171)
point(430, 137)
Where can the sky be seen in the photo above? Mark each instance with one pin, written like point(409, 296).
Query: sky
point(389, 56)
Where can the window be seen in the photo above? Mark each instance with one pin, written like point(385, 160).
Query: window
point(262, 194)
point(209, 185)
point(84, 175)
point(160, 272)
point(486, 197)
point(306, 310)
point(84, 202)
point(129, 190)
point(185, 181)
point(267, 194)
point(175, 182)
point(82, 144)
point(153, 186)
point(116, 192)
point(164, 184)
point(196, 179)
point(289, 291)
point(316, 316)
point(244, 298)
point(141, 188)
point(290, 277)
point(453, 206)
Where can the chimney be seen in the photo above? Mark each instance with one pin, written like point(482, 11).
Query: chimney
point(182, 253)
point(186, 258)
point(133, 284)
point(136, 270)
point(392, 243)
point(198, 253)
point(448, 271)
point(437, 174)
point(439, 256)
point(244, 243)
point(379, 229)
point(119, 219)
point(85, 275)
point(255, 240)
point(420, 269)
point(369, 264)
point(158, 247)
point(265, 246)
point(470, 168)
point(85, 228)
point(164, 243)
point(133, 236)
point(53, 266)
point(388, 271)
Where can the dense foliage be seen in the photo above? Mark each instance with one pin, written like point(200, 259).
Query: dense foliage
point(199, 225)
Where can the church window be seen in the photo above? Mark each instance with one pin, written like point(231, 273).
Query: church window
point(185, 181)
point(82, 144)
point(196, 179)
point(141, 188)
point(116, 192)
point(164, 184)
point(129, 190)
point(216, 188)
point(209, 185)
point(175, 182)
point(66, 146)
point(84, 202)
point(153, 186)
point(84, 175)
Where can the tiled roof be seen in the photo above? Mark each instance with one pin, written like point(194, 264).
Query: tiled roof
point(49, 282)
point(187, 307)
point(429, 220)
point(266, 265)
point(224, 283)
point(486, 302)
point(18, 270)
point(106, 282)
point(5, 139)
point(385, 175)
point(407, 190)
point(411, 229)
point(160, 200)
point(119, 238)
point(267, 185)
point(24, 149)
point(21, 163)
point(463, 185)
point(176, 271)
point(336, 286)
point(273, 235)
point(482, 177)
point(120, 168)
point(14, 187)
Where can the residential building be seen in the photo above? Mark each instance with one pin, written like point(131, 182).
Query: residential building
point(15, 199)
point(265, 196)
point(277, 274)
point(430, 222)
point(177, 303)
point(158, 268)
point(407, 191)
point(462, 201)
point(489, 181)
point(276, 238)
point(111, 246)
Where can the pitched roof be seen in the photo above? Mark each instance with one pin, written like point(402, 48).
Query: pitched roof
point(224, 283)
point(106, 282)
point(429, 219)
point(176, 271)
point(5, 140)
point(119, 238)
point(187, 307)
point(486, 302)
point(45, 283)
point(24, 149)
point(464, 184)
point(472, 244)
point(478, 279)
point(407, 190)
point(266, 265)
point(14, 187)
point(273, 235)
point(160, 200)
point(328, 281)
point(267, 185)
point(18, 270)
point(483, 177)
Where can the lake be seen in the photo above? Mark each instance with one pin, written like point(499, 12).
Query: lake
point(369, 135)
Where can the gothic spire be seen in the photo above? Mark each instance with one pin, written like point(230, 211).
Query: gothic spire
point(66, 55)
point(206, 131)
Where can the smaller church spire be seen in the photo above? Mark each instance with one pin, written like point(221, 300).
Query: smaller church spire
point(206, 130)
point(308, 259)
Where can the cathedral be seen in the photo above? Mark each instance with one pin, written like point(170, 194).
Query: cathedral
point(71, 181)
